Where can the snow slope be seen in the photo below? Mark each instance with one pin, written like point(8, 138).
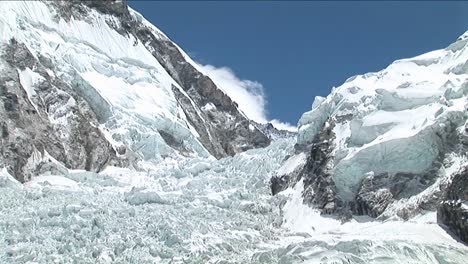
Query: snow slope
point(147, 97)
point(398, 120)
point(135, 86)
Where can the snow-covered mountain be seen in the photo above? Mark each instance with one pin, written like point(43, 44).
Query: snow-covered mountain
point(386, 144)
point(92, 83)
point(127, 153)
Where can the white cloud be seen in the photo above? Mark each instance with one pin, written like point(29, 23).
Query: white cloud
point(283, 126)
point(247, 94)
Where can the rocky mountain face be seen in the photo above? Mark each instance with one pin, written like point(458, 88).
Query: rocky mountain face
point(87, 84)
point(453, 211)
point(389, 143)
point(32, 139)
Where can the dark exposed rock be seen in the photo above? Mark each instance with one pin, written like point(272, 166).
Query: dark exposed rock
point(458, 188)
point(454, 217)
point(280, 183)
point(18, 55)
point(78, 8)
point(10, 103)
point(319, 187)
point(372, 198)
point(114, 7)
point(174, 142)
point(28, 135)
point(450, 213)
point(378, 191)
point(5, 133)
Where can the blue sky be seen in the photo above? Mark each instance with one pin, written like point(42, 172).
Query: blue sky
point(294, 51)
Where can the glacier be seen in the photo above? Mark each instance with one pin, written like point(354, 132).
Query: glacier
point(118, 148)
point(199, 211)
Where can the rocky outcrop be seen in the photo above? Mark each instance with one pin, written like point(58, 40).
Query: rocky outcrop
point(453, 216)
point(372, 198)
point(113, 7)
point(32, 140)
point(319, 187)
point(452, 213)
point(376, 192)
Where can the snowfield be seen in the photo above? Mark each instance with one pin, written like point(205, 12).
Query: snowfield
point(198, 211)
